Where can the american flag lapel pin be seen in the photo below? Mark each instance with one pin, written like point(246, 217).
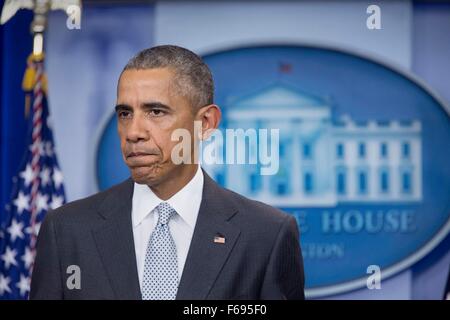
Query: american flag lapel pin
point(219, 238)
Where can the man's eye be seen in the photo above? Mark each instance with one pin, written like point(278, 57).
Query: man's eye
point(124, 114)
point(156, 112)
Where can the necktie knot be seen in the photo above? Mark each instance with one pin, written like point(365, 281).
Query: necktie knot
point(166, 212)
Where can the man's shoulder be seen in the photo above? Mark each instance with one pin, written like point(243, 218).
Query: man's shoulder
point(255, 210)
point(84, 208)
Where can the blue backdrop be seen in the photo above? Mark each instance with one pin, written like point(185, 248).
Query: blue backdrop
point(16, 45)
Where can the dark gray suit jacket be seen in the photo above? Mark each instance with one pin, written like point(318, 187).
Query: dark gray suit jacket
point(260, 259)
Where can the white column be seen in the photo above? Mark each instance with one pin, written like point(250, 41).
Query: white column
point(296, 163)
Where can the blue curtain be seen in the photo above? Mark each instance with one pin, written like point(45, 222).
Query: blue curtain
point(16, 45)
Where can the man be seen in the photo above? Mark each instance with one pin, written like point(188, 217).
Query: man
point(169, 231)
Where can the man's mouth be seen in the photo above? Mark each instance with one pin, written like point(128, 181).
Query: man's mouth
point(138, 154)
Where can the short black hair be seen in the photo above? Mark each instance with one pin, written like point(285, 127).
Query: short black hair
point(193, 78)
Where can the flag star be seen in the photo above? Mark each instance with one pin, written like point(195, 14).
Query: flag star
point(41, 202)
point(4, 284)
point(57, 177)
point(27, 175)
point(22, 202)
point(29, 230)
point(45, 176)
point(57, 201)
point(9, 257)
point(23, 285)
point(28, 258)
point(40, 147)
point(49, 122)
point(15, 230)
point(49, 149)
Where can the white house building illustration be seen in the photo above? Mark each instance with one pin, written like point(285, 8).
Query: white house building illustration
point(324, 160)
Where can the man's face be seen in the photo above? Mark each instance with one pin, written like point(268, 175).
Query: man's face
point(148, 111)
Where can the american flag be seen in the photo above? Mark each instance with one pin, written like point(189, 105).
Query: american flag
point(37, 188)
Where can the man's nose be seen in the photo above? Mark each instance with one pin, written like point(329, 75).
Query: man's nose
point(137, 130)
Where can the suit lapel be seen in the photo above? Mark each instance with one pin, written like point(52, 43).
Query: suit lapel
point(206, 257)
point(114, 239)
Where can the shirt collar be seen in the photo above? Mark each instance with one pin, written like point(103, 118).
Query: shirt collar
point(186, 202)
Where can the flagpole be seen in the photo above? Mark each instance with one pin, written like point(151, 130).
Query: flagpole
point(39, 24)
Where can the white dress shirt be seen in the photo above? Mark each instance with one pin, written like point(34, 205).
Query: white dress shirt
point(186, 203)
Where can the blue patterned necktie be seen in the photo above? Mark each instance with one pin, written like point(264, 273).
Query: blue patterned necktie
point(160, 280)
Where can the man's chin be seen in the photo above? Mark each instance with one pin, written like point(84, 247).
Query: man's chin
point(145, 175)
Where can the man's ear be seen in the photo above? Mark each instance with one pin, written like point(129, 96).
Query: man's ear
point(210, 117)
